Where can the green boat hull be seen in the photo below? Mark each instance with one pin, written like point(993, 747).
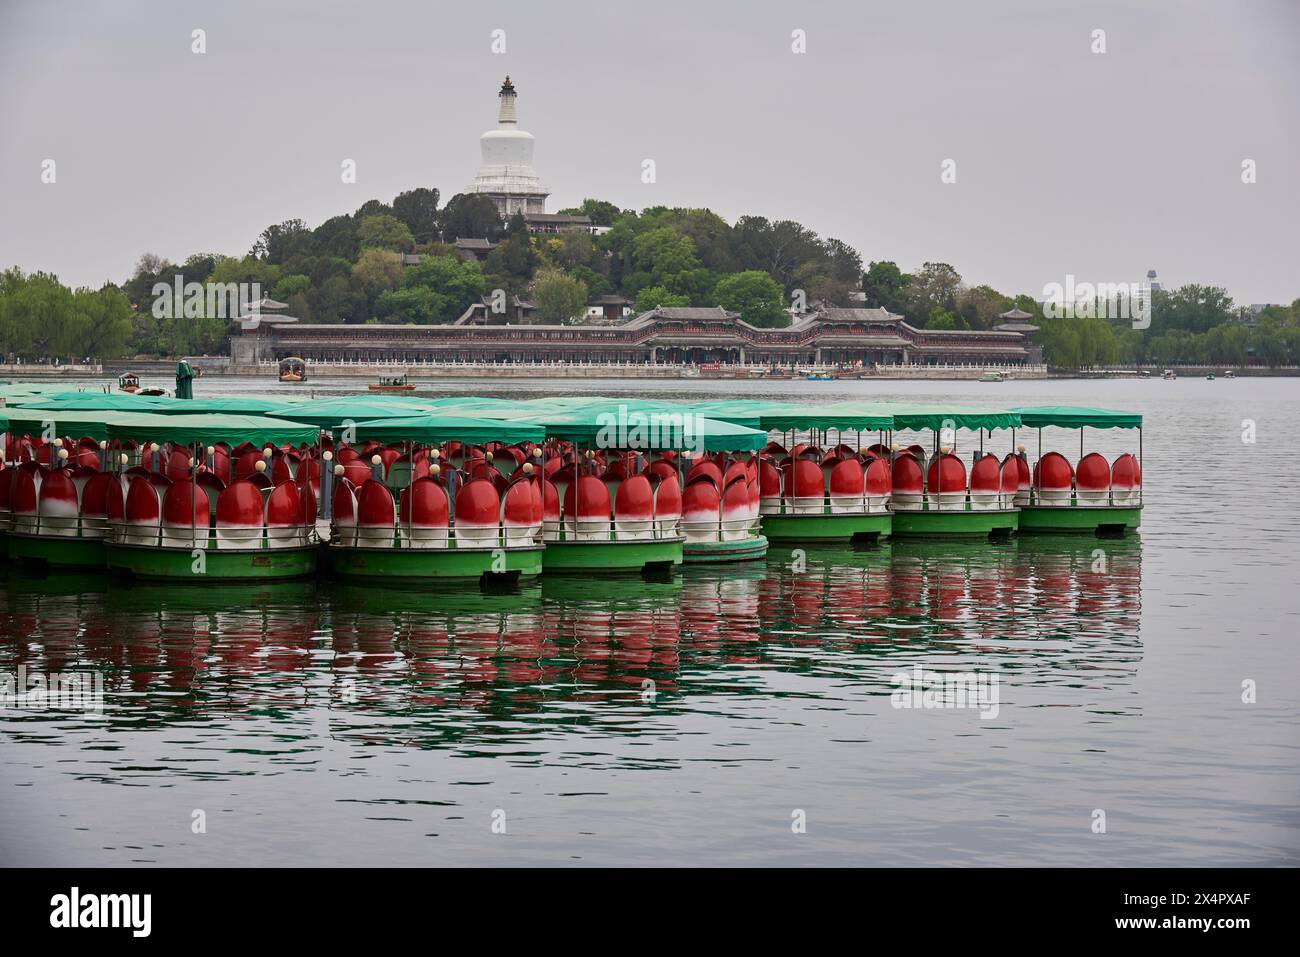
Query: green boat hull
point(744, 550)
point(937, 523)
point(56, 551)
point(427, 564)
point(826, 528)
point(214, 564)
point(598, 557)
point(1076, 518)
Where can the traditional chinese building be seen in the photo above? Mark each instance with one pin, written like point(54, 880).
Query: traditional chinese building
point(824, 336)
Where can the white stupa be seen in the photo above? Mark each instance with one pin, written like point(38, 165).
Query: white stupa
point(507, 173)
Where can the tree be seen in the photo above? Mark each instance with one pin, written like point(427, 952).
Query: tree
point(290, 286)
point(755, 295)
point(980, 306)
point(514, 258)
point(470, 216)
point(338, 236)
point(933, 286)
point(598, 211)
point(456, 283)
point(653, 296)
point(418, 209)
point(884, 286)
point(559, 298)
point(277, 244)
point(385, 232)
point(378, 268)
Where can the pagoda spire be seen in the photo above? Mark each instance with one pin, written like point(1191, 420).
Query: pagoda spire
point(507, 116)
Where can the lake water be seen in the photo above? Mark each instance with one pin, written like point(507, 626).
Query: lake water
point(693, 721)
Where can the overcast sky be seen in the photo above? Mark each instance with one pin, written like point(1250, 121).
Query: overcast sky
point(1067, 161)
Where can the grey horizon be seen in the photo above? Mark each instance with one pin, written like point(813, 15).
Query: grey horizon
point(1068, 162)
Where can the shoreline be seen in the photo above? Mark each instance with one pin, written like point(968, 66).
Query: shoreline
point(219, 367)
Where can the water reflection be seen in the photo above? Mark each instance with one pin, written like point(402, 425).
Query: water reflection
point(430, 668)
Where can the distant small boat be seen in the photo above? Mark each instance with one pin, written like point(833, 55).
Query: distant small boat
point(1229, 374)
point(819, 377)
point(1209, 376)
point(128, 382)
point(992, 376)
point(394, 384)
point(1169, 374)
point(293, 369)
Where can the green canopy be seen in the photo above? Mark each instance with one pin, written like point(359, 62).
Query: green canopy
point(433, 429)
point(937, 417)
point(98, 401)
point(1077, 417)
point(607, 426)
point(78, 423)
point(843, 416)
point(232, 404)
point(209, 429)
point(334, 412)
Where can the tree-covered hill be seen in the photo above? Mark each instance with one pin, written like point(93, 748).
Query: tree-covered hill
point(397, 263)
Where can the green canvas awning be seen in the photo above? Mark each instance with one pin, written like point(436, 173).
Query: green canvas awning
point(957, 417)
point(842, 416)
point(337, 411)
point(436, 429)
point(209, 429)
point(76, 423)
point(231, 404)
point(98, 401)
point(1077, 417)
point(608, 426)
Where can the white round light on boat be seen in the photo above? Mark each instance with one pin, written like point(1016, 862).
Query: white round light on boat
point(528, 468)
point(212, 450)
point(63, 453)
point(260, 466)
point(327, 455)
point(488, 456)
point(102, 446)
point(435, 470)
point(375, 459)
point(266, 452)
point(338, 470)
point(125, 458)
point(434, 453)
point(153, 447)
point(191, 462)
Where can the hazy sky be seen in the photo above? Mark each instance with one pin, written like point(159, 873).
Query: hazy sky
point(1102, 166)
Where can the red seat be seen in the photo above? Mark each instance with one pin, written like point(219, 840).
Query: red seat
point(478, 512)
point(1092, 480)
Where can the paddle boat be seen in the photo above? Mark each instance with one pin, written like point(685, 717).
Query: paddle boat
point(1090, 495)
point(936, 496)
point(53, 489)
point(822, 489)
point(240, 508)
point(426, 497)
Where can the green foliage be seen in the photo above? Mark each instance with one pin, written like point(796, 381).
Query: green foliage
point(598, 211)
point(385, 232)
point(653, 296)
point(40, 317)
point(755, 295)
point(418, 210)
point(559, 298)
point(470, 216)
